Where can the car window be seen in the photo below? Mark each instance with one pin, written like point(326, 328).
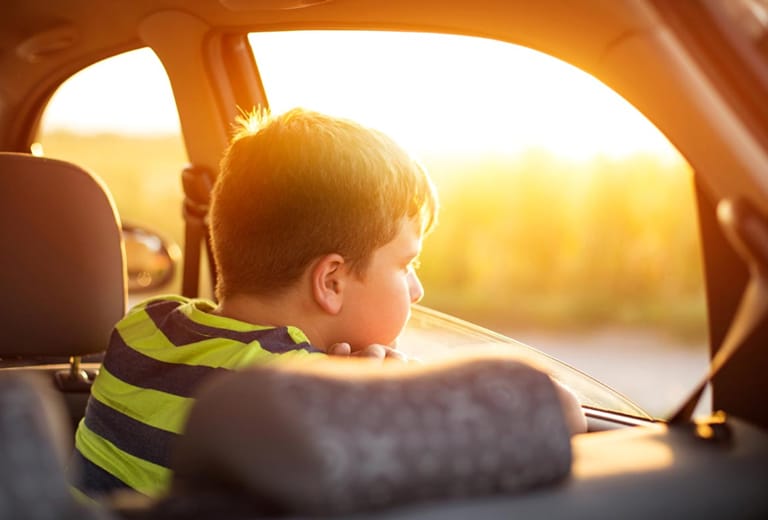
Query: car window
point(567, 219)
point(118, 119)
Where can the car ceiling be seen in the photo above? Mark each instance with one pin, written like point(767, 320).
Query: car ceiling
point(92, 24)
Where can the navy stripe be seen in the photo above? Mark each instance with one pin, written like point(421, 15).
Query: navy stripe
point(132, 436)
point(180, 330)
point(140, 370)
point(92, 480)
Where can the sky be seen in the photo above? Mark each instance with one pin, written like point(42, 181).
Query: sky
point(432, 93)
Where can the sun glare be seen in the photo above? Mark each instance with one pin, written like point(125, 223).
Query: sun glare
point(128, 94)
point(436, 94)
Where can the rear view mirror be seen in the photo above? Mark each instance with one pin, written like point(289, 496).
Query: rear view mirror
point(151, 260)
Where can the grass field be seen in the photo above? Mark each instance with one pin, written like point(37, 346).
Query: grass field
point(524, 240)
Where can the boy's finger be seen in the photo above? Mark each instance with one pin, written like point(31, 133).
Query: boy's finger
point(340, 349)
point(396, 355)
point(372, 351)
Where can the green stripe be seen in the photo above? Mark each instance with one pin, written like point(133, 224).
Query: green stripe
point(153, 407)
point(166, 297)
point(143, 476)
point(201, 311)
point(140, 333)
point(82, 498)
point(193, 311)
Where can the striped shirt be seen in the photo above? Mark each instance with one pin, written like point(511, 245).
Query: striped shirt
point(157, 356)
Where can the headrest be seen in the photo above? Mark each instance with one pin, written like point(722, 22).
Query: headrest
point(62, 267)
point(341, 435)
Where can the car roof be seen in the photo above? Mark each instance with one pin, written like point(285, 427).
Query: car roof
point(82, 27)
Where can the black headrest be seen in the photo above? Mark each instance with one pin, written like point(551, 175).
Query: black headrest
point(62, 269)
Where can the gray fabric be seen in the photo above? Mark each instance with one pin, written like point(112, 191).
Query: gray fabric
point(339, 436)
point(33, 443)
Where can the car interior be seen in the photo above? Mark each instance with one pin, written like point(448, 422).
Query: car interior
point(63, 312)
point(227, 478)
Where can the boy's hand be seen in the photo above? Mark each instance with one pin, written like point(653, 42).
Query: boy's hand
point(375, 351)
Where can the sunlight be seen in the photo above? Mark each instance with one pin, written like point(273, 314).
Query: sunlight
point(649, 453)
point(86, 103)
point(435, 94)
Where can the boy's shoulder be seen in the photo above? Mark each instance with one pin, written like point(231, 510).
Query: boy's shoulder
point(170, 300)
point(166, 304)
point(185, 320)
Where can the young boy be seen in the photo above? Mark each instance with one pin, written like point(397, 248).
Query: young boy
point(316, 224)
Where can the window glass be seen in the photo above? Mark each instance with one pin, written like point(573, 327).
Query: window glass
point(567, 219)
point(118, 119)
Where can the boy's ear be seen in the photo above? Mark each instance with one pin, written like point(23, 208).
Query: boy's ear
point(328, 277)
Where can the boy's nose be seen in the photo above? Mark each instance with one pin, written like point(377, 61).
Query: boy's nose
point(415, 287)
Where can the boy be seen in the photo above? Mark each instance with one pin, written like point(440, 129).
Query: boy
point(316, 223)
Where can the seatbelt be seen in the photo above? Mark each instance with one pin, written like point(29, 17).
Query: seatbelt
point(197, 183)
point(747, 230)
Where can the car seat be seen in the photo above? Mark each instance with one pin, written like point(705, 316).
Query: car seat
point(62, 277)
point(62, 271)
point(33, 483)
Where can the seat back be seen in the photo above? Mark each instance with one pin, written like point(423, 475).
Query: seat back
point(34, 451)
point(62, 267)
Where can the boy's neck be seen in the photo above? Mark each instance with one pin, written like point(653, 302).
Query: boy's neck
point(276, 311)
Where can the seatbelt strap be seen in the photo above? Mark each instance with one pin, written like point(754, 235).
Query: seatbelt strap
point(197, 183)
point(747, 231)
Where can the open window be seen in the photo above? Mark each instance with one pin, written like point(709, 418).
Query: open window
point(118, 119)
point(568, 221)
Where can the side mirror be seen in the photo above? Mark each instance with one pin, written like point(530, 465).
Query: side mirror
point(151, 260)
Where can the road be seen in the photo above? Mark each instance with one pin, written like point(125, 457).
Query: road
point(656, 372)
